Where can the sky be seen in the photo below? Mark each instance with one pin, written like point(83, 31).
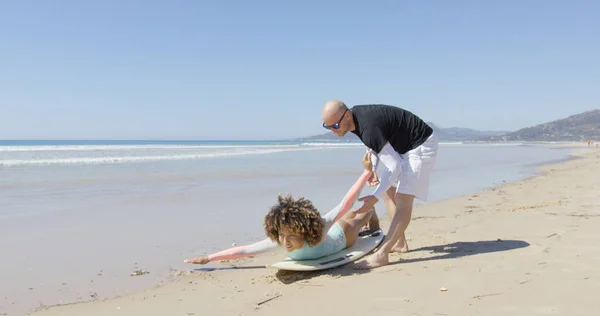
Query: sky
point(143, 69)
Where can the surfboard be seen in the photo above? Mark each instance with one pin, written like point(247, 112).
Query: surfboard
point(361, 247)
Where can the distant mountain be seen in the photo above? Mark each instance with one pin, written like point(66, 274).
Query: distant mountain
point(329, 137)
point(457, 134)
point(451, 134)
point(582, 126)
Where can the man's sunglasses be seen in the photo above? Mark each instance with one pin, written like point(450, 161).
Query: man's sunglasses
point(336, 125)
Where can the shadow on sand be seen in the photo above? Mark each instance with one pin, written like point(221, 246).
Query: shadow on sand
point(447, 251)
point(229, 268)
point(466, 248)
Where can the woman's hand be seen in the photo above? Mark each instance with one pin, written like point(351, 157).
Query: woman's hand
point(366, 161)
point(198, 260)
point(373, 180)
point(368, 165)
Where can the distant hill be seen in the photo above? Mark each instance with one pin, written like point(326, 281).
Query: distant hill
point(451, 134)
point(329, 137)
point(582, 126)
point(457, 134)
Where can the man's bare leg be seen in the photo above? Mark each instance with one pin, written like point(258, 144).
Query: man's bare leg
point(398, 225)
point(401, 245)
point(390, 206)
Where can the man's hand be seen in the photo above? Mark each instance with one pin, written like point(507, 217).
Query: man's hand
point(198, 260)
point(368, 202)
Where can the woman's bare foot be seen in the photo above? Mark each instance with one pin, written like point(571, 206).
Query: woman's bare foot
point(372, 225)
point(373, 221)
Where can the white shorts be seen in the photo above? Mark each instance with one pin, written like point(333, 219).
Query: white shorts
point(416, 168)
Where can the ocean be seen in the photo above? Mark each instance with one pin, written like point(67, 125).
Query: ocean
point(78, 217)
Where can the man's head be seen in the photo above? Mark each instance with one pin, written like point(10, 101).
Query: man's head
point(294, 222)
point(337, 117)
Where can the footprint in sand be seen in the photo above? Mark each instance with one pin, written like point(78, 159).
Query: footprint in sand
point(471, 208)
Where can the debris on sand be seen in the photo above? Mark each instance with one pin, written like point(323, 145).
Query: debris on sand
point(139, 272)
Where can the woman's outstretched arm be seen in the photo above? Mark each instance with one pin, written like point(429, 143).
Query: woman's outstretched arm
point(236, 252)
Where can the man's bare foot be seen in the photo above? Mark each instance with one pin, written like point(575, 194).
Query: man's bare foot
point(373, 261)
point(401, 245)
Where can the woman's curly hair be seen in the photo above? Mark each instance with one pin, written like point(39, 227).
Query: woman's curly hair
point(299, 216)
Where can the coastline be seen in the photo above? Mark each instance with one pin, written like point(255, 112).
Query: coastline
point(238, 286)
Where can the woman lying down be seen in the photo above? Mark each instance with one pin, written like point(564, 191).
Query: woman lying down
point(298, 227)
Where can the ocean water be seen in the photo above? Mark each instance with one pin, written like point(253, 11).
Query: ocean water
point(76, 218)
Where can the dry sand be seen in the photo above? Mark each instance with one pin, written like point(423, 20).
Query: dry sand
point(526, 248)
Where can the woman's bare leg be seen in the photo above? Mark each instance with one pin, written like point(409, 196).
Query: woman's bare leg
point(351, 223)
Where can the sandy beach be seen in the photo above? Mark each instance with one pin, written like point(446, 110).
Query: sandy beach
point(524, 248)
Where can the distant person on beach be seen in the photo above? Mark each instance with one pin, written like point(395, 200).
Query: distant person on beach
point(406, 146)
point(297, 226)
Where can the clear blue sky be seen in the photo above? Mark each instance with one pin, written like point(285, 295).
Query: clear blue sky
point(262, 69)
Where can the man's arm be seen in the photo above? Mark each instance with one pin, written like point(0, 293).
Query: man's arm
point(374, 160)
point(390, 161)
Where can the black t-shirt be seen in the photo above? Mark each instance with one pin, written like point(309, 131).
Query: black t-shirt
point(377, 124)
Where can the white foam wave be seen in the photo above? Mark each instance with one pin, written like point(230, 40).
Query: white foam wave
point(130, 147)
point(451, 143)
point(491, 144)
point(499, 144)
point(324, 144)
point(133, 159)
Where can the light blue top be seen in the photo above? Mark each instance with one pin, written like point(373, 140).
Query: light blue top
point(334, 242)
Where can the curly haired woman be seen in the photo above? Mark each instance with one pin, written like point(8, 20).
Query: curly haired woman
point(297, 226)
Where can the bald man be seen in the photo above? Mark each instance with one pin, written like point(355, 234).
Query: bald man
point(403, 150)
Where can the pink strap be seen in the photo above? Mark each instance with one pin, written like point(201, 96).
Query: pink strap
point(352, 194)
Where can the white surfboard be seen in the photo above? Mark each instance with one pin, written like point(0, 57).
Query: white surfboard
point(361, 247)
